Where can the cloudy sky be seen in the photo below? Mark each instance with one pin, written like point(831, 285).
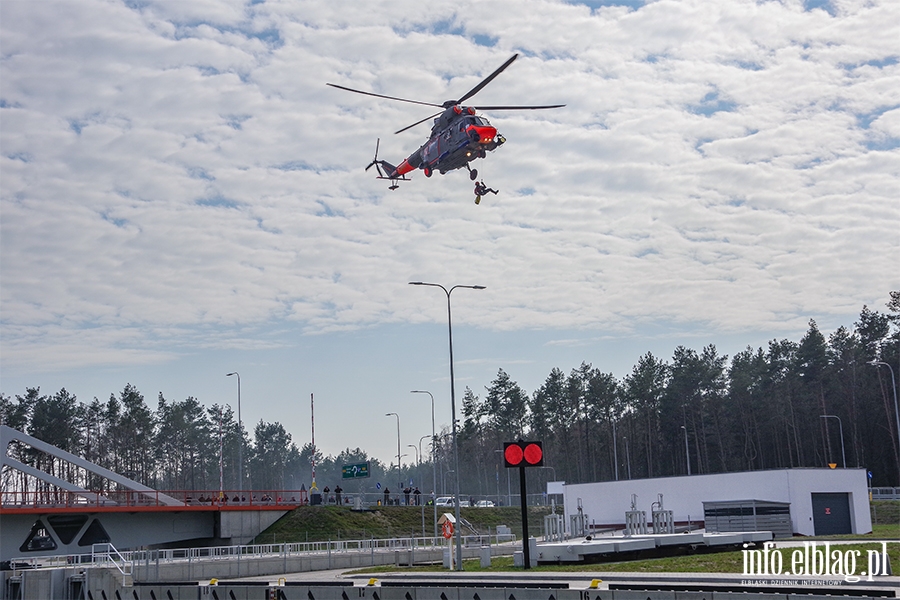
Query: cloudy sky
point(183, 196)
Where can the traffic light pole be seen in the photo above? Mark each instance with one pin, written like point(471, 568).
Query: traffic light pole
point(523, 454)
point(526, 551)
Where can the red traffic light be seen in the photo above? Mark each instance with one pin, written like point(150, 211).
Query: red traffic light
point(523, 454)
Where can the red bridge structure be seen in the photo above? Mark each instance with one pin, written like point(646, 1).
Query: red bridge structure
point(63, 518)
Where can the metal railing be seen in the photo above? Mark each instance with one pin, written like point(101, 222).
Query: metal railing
point(58, 498)
point(105, 554)
point(114, 498)
point(123, 560)
point(885, 493)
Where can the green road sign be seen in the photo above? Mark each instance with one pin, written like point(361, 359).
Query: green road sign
point(354, 471)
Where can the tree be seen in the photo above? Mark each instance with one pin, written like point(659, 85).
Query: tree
point(644, 388)
point(505, 404)
point(273, 456)
point(601, 406)
point(186, 448)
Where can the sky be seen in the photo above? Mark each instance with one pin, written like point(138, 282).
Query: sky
point(182, 196)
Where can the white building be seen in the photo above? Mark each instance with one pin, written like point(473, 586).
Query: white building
point(822, 501)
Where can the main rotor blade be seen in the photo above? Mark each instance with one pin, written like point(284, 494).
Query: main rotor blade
point(340, 87)
point(487, 80)
point(418, 122)
point(517, 107)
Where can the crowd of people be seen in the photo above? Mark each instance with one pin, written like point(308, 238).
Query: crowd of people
point(223, 499)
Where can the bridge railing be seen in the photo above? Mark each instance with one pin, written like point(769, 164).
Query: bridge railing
point(58, 498)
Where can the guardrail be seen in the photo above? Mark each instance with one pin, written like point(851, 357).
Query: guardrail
point(103, 558)
point(885, 493)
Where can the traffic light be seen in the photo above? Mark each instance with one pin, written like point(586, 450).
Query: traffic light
point(523, 454)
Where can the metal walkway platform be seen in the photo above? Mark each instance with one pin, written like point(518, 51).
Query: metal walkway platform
point(594, 548)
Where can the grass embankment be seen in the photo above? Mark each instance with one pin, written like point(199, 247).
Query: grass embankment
point(885, 512)
point(323, 523)
point(711, 562)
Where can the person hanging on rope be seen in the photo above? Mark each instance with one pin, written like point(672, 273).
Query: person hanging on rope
point(482, 190)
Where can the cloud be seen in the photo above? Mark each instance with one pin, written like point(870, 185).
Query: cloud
point(175, 171)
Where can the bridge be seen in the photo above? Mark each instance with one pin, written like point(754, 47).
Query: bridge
point(62, 518)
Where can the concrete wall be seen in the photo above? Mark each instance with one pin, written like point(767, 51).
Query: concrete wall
point(240, 527)
point(137, 530)
point(126, 530)
point(605, 503)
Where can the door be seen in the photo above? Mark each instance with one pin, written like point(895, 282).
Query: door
point(831, 513)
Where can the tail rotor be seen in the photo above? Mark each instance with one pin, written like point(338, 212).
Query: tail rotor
point(375, 162)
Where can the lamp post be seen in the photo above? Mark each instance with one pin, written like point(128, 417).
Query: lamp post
point(240, 434)
point(508, 488)
point(420, 455)
point(553, 471)
point(687, 455)
point(615, 450)
point(627, 456)
point(399, 476)
point(841, 429)
point(444, 477)
point(459, 566)
point(416, 450)
point(876, 363)
point(433, 461)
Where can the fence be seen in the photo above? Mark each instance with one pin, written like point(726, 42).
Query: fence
point(883, 493)
point(58, 498)
point(104, 554)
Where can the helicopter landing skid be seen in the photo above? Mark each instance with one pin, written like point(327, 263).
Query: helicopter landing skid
point(473, 173)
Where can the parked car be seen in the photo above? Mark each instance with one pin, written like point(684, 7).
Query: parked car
point(485, 504)
point(449, 501)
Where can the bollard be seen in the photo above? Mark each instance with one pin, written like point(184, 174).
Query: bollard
point(485, 557)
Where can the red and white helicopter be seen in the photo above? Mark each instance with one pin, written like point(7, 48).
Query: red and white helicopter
point(458, 136)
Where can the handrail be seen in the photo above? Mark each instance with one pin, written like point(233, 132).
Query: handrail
point(100, 553)
point(100, 558)
point(59, 498)
point(55, 497)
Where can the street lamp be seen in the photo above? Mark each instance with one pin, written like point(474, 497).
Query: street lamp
point(615, 450)
point(876, 363)
point(841, 429)
point(627, 456)
point(433, 461)
point(416, 450)
point(459, 566)
point(399, 476)
point(687, 455)
point(420, 455)
point(241, 434)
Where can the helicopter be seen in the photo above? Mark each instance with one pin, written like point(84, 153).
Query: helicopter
point(458, 135)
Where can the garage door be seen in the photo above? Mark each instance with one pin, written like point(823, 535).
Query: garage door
point(831, 513)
